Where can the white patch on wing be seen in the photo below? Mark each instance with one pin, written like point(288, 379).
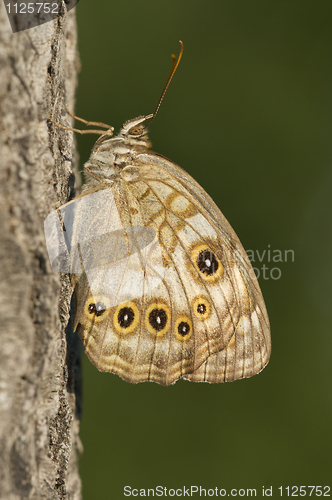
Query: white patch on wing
point(180, 204)
point(161, 189)
point(244, 325)
point(199, 223)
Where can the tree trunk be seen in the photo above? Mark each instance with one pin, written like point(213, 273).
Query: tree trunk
point(39, 361)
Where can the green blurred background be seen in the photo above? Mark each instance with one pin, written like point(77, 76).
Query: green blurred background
point(249, 115)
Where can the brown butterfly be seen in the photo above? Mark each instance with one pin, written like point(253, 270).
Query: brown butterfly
point(163, 287)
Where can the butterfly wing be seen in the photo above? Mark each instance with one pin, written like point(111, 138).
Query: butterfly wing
point(178, 298)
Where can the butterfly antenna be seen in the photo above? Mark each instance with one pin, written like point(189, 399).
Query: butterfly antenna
point(174, 67)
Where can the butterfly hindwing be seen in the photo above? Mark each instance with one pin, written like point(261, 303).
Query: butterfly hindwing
point(181, 300)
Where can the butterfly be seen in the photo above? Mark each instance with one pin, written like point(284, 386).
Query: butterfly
point(163, 287)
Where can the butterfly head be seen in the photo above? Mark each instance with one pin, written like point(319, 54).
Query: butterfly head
point(135, 131)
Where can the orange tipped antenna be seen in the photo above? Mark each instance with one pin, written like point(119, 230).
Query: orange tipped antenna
point(174, 67)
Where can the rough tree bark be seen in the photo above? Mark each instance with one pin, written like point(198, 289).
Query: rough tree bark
point(39, 364)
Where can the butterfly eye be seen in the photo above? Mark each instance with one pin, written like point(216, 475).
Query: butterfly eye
point(92, 308)
point(126, 317)
point(157, 318)
point(97, 308)
point(183, 328)
point(136, 130)
point(207, 262)
point(202, 308)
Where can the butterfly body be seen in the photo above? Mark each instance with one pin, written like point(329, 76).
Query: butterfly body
point(166, 290)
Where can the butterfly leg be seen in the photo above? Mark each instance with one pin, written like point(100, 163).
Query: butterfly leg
point(90, 124)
